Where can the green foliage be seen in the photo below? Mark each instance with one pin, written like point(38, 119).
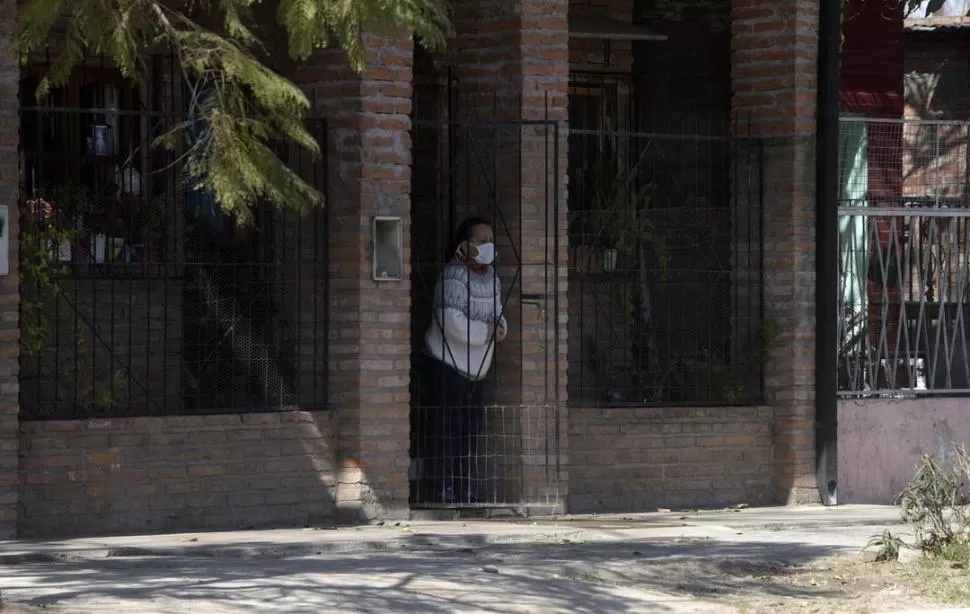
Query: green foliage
point(243, 102)
point(934, 503)
point(316, 24)
point(39, 270)
point(44, 228)
point(103, 393)
point(854, 346)
point(765, 342)
point(715, 380)
point(887, 546)
point(619, 203)
point(957, 552)
point(617, 217)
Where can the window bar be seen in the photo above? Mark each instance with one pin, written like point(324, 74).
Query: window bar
point(224, 279)
point(126, 256)
point(173, 91)
point(324, 175)
point(290, 223)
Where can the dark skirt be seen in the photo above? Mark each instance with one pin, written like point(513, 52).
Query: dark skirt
point(449, 421)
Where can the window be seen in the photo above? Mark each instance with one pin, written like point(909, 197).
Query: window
point(139, 296)
point(664, 236)
point(86, 152)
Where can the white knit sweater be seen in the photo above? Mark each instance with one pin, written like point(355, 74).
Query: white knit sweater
point(467, 308)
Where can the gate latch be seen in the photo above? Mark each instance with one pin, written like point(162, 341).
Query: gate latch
point(536, 300)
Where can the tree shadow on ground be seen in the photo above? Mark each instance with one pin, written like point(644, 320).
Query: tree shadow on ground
point(448, 575)
point(700, 569)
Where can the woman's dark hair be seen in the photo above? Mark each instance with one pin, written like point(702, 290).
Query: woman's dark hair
point(465, 232)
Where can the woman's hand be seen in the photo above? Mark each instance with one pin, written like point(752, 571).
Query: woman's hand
point(467, 251)
point(501, 332)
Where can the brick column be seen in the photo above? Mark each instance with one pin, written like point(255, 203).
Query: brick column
point(774, 49)
point(369, 160)
point(513, 65)
point(9, 285)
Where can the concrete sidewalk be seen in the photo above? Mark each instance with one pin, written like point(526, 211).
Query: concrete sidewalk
point(579, 564)
point(452, 534)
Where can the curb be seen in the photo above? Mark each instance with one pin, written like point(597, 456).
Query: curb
point(205, 552)
point(372, 544)
point(778, 526)
point(560, 533)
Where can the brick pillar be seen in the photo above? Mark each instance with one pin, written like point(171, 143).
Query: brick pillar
point(369, 156)
point(774, 49)
point(9, 285)
point(513, 65)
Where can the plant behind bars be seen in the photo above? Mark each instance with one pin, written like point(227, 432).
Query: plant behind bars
point(40, 238)
point(856, 353)
point(44, 229)
point(618, 203)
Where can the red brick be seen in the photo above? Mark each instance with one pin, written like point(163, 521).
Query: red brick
point(206, 470)
point(260, 419)
point(773, 79)
point(167, 473)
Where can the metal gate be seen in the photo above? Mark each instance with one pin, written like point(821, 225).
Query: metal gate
point(904, 253)
point(502, 449)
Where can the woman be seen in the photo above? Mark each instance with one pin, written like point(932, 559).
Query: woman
point(466, 326)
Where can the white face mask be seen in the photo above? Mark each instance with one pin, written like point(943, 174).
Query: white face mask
point(486, 253)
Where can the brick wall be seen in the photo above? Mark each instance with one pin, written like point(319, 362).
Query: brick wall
point(636, 460)
point(369, 156)
point(773, 77)
point(9, 289)
point(97, 475)
point(545, 82)
point(84, 477)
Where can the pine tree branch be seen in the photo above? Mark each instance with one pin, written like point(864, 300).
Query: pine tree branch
point(244, 106)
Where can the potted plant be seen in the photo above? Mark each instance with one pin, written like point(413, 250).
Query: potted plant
point(620, 232)
point(58, 219)
point(603, 184)
point(617, 213)
point(48, 224)
point(603, 365)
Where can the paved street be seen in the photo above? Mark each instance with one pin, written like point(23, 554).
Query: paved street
point(582, 564)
